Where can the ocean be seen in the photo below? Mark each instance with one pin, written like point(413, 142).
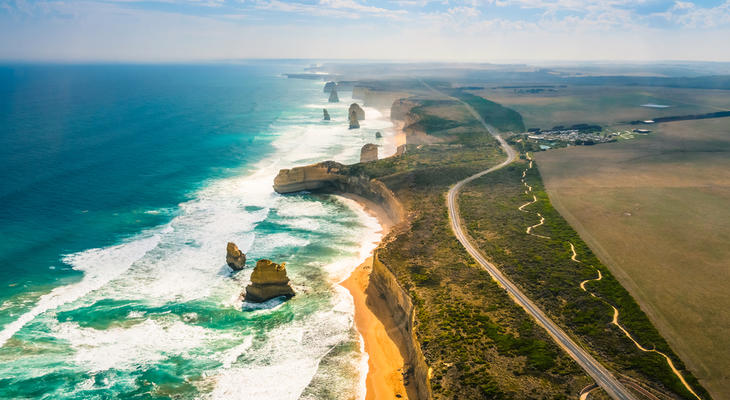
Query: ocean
point(122, 184)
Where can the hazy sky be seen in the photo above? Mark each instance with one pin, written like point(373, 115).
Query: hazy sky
point(465, 30)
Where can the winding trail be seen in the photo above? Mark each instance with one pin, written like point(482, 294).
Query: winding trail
point(615, 321)
point(574, 258)
point(534, 200)
point(598, 372)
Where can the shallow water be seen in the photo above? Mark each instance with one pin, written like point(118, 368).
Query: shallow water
point(124, 185)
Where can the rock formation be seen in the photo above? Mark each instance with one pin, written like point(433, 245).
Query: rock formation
point(354, 122)
point(329, 86)
point(333, 96)
point(235, 257)
point(368, 153)
point(326, 114)
point(378, 135)
point(268, 280)
point(359, 112)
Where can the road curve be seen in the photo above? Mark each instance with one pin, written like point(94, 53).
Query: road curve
point(597, 371)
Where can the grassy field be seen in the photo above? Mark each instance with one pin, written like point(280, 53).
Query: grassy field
point(605, 105)
point(656, 210)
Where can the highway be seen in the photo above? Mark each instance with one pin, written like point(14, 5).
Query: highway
point(598, 372)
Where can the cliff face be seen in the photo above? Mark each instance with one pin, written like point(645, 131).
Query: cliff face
point(401, 111)
point(402, 311)
point(332, 177)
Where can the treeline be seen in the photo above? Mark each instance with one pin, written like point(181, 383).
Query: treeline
point(503, 118)
point(718, 114)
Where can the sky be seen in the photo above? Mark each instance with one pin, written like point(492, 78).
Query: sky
point(405, 30)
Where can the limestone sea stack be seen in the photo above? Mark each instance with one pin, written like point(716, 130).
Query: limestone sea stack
point(333, 96)
point(235, 258)
point(368, 153)
point(354, 123)
point(378, 135)
point(268, 280)
point(326, 114)
point(329, 86)
point(359, 112)
point(355, 115)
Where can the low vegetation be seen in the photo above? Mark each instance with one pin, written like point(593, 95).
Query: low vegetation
point(542, 267)
point(478, 342)
point(503, 118)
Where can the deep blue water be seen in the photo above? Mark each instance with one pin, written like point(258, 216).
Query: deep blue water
point(121, 186)
point(86, 150)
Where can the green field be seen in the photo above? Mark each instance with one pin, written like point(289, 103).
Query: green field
point(605, 105)
point(656, 211)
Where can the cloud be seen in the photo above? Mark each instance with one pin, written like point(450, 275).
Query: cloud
point(329, 8)
point(473, 30)
point(687, 14)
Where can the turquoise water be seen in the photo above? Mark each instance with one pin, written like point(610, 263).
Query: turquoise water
point(121, 186)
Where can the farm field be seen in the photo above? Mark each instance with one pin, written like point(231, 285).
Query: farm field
point(655, 211)
point(605, 105)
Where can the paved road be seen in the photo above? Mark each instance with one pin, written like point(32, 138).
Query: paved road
point(597, 371)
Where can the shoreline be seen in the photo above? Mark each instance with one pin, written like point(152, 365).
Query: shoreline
point(373, 321)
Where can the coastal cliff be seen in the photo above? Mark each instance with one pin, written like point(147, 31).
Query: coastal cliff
point(333, 177)
point(401, 309)
point(336, 178)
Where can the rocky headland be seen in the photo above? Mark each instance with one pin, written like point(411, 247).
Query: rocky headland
point(268, 280)
point(235, 258)
point(336, 178)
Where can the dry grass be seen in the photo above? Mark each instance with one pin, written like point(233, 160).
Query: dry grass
point(606, 105)
point(656, 211)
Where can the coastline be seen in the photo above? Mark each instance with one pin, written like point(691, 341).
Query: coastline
point(374, 323)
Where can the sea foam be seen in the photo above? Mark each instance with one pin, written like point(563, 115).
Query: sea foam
point(183, 262)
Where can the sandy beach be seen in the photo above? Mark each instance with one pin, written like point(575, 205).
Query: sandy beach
point(372, 318)
point(385, 363)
